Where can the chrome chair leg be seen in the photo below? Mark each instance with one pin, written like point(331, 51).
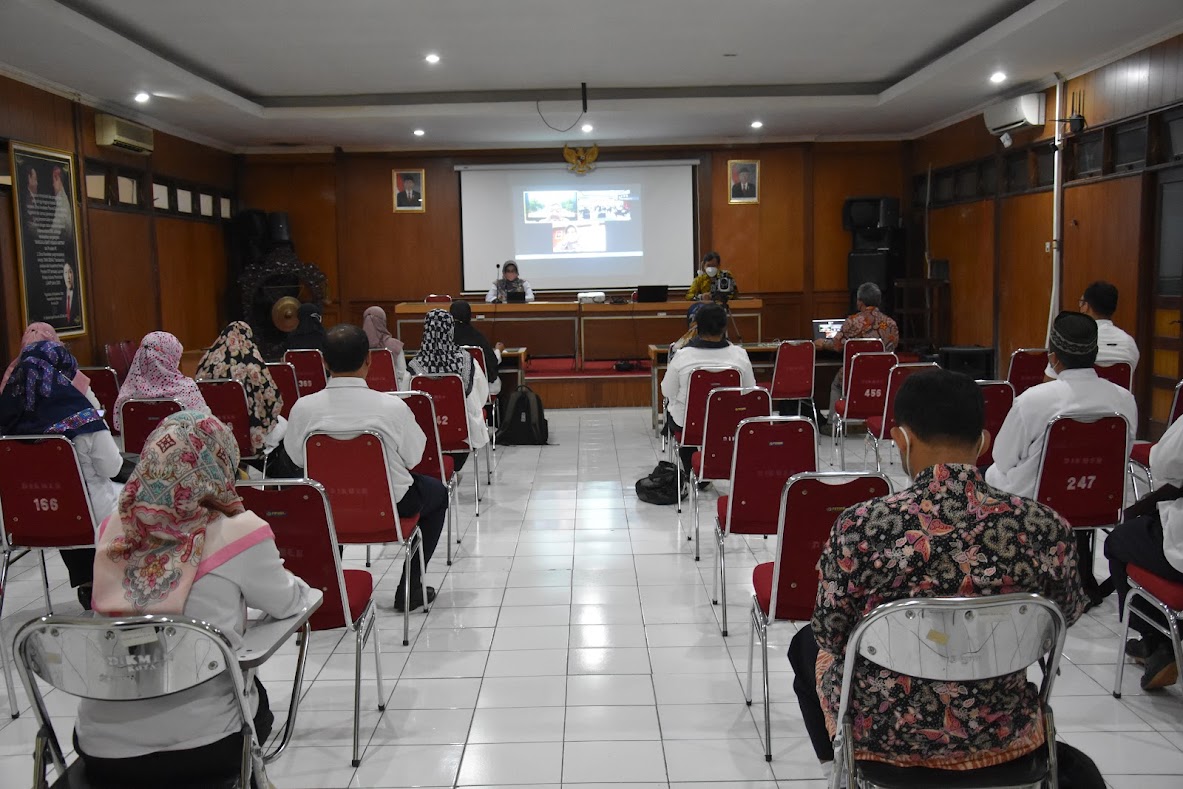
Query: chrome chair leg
point(357, 650)
point(723, 584)
point(45, 583)
point(423, 576)
point(693, 508)
point(747, 696)
point(407, 554)
point(767, 704)
point(5, 647)
point(719, 538)
point(374, 636)
point(367, 556)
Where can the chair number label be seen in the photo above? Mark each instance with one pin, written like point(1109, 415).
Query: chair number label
point(1081, 483)
point(45, 505)
point(442, 420)
point(873, 393)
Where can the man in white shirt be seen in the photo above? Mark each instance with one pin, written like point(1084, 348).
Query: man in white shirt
point(1099, 302)
point(1154, 542)
point(348, 406)
point(709, 349)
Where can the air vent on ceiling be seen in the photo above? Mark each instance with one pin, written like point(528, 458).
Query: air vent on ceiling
point(120, 133)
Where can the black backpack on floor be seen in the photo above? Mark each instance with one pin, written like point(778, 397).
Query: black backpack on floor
point(661, 486)
point(523, 419)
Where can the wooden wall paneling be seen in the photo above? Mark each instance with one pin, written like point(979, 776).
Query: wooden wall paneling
point(964, 235)
point(122, 279)
point(736, 228)
point(192, 261)
point(9, 281)
point(31, 115)
point(175, 157)
point(87, 350)
point(783, 317)
point(1137, 83)
point(1024, 281)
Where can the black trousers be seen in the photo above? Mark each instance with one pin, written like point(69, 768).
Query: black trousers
point(429, 498)
point(803, 658)
point(1138, 541)
point(685, 454)
point(189, 769)
point(80, 565)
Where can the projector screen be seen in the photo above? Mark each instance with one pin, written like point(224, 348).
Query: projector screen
point(616, 227)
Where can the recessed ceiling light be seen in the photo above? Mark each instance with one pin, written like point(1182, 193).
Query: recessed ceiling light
point(587, 127)
point(998, 77)
point(419, 132)
point(432, 58)
point(757, 124)
point(142, 98)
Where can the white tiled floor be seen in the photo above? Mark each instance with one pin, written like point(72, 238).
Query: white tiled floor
point(574, 644)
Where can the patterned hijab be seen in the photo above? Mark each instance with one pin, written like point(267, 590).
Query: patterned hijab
point(155, 374)
point(374, 325)
point(439, 353)
point(42, 332)
point(41, 396)
point(235, 355)
point(158, 542)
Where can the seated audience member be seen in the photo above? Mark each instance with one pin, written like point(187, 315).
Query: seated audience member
point(43, 332)
point(42, 398)
point(439, 354)
point(869, 322)
point(1018, 449)
point(1153, 542)
point(374, 324)
point(949, 534)
point(467, 334)
point(510, 282)
point(703, 284)
point(234, 355)
point(309, 333)
point(709, 349)
point(155, 373)
point(347, 406)
point(180, 515)
point(1099, 302)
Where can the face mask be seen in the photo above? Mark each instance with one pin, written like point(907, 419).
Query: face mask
point(711, 271)
point(905, 452)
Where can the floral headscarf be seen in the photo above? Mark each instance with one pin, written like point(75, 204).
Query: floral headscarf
point(374, 325)
point(439, 353)
point(157, 543)
point(155, 374)
point(235, 355)
point(42, 332)
point(41, 397)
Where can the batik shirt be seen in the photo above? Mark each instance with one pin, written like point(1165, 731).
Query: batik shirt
point(871, 324)
point(949, 534)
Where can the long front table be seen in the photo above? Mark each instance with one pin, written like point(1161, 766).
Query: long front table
point(589, 332)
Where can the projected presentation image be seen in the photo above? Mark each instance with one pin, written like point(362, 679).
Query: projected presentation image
point(579, 238)
point(550, 207)
point(608, 205)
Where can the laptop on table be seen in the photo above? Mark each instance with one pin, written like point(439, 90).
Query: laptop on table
point(827, 328)
point(652, 294)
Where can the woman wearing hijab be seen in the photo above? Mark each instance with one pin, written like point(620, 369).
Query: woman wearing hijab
point(439, 354)
point(235, 355)
point(374, 325)
point(309, 332)
point(180, 518)
point(510, 282)
point(43, 332)
point(41, 398)
point(155, 373)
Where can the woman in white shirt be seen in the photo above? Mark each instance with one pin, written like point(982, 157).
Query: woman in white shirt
point(41, 398)
point(510, 282)
point(181, 542)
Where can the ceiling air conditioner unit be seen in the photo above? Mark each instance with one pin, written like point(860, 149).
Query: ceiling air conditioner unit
point(119, 133)
point(1016, 113)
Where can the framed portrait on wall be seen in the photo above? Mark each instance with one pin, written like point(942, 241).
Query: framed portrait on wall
point(45, 204)
point(743, 181)
point(409, 192)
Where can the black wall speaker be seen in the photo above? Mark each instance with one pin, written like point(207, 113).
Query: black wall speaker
point(872, 267)
point(973, 360)
point(864, 213)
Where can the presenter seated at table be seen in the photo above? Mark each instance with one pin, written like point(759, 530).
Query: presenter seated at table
point(709, 349)
point(510, 282)
point(709, 273)
point(348, 406)
point(180, 519)
point(870, 322)
point(467, 334)
point(1099, 302)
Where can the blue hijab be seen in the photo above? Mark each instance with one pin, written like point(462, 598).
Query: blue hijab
point(40, 397)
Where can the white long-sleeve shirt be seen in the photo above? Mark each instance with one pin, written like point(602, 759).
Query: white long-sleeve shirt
point(1018, 447)
point(1166, 464)
point(347, 406)
point(676, 383)
point(207, 713)
point(493, 294)
point(99, 459)
point(1113, 345)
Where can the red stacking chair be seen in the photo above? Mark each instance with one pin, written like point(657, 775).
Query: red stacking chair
point(1140, 454)
point(879, 427)
point(284, 375)
point(726, 408)
point(851, 349)
point(298, 513)
point(438, 298)
point(1120, 373)
point(451, 419)
point(43, 506)
point(104, 382)
point(793, 373)
point(703, 381)
point(786, 588)
point(1164, 596)
point(140, 417)
point(768, 451)
point(998, 396)
point(434, 463)
point(863, 396)
point(1027, 368)
point(310, 370)
point(353, 472)
point(478, 354)
point(381, 376)
point(130, 349)
point(118, 359)
point(226, 399)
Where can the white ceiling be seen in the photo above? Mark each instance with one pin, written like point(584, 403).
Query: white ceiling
point(246, 75)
